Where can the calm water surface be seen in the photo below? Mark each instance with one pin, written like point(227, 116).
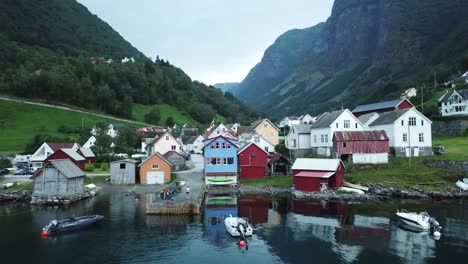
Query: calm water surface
point(287, 231)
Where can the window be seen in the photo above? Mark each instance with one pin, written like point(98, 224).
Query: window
point(355, 124)
point(229, 146)
point(265, 125)
point(421, 137)
point(217, 145)
point(294, 143)
point(218, 161)
point(422, 122)
point(257, 139)
point(225, 161)
point(266, 149)
point(272, 134)
point(402, 123)
point(315, 138)
point(337, 125)
point(421, 149)
point(155, 166)
point(403, 149)
point(223, 145)
point(230, 160)
point(326, 138)
point(173, 147)
point(167, 137)
point(412, 121)
point(347, 124)
point(212, 161)
point(322, 138)
point(405, 137)
point(344, 144)
point(122, 165)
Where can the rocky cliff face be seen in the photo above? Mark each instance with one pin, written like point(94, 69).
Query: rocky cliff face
point(352, 58)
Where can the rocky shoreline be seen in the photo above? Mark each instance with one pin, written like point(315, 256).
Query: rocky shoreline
point(25, 196)
point(16, 196)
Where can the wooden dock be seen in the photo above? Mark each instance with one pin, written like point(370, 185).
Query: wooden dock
point(182, 205)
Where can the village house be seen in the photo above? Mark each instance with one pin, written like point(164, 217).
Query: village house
point(124, 172)
point(112, 130)
point(408, 130)
point(47, 149)
point(361, 146)
point(221, 161)
point(88, 154)
point(266, 129)
point(163, 143)
point(382, 107)
point(409, 93)
point(289, 121)
point(147, 130)
point(257, 139)
point(58, 178)
point(278, 165)
point(298, 140)
point(194, 144)
point(307, 119)
point(321, 132)
point(155, 170)
point(90, 142)
point(233, 127)
point(314, 175)
point(253, 161)
point(144, 143)
point(177, 159)
point(454, 103)
point(69, 154)
point(220, 130)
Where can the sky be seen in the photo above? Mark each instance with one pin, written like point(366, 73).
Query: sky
point(211, 40)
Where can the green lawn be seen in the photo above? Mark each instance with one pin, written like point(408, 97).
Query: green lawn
point(18, 187)
point(456, 148)
point(19, 123)
point(97, 180)
point(278, 181)
point(139, 112)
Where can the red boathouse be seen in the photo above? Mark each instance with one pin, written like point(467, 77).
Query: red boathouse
point(314, 175)
point(69, 154)
point(253, 161)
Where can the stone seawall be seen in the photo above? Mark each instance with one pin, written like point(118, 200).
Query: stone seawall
point(447, 164)
point(449, 127)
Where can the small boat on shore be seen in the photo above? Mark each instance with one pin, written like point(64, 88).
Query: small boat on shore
point(351, 190)
point(422, 221)
point(238, 227)
point(56, 227)
point(463, 185)
point(356, 186)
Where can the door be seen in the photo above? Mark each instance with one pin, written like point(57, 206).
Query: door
point(416, 152)
point(155, 177)
point(408, 152)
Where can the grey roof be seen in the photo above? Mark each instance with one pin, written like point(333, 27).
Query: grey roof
point(73, 154)
point(191, 140)
point(366, 117)
point(326, 119)
point(126, 161)
point(302, 128)
point(463, 93)
point(67, 168)
point(377, 106)
point(87, 152)
point(389, 117)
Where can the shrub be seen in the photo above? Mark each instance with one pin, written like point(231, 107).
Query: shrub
point(104, 167)
point(89, 167)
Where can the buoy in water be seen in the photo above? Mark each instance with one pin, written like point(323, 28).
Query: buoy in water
point(242, 243)
point(45, 234)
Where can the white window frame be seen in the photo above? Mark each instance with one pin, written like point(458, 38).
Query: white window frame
point(405, 137)
point(421, 137)
point(346, 123)
point(412, 121)
point(155, 166)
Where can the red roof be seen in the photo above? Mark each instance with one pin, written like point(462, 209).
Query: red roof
point(315, 174)
point(361, 136)
point(57, 146)
point(221, 174)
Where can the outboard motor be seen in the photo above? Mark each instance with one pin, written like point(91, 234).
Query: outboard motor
point(241, 230)
point(436, 227)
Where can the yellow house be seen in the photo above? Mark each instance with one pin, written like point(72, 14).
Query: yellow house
point(266, 129)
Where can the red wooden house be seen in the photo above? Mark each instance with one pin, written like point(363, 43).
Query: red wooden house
point(69, 154)
point(314, 175)
point(88, 154)
point(362, 146)
point(253, 161)
point(382, 107)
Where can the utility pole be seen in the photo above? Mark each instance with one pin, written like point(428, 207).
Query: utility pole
point(409, 143)
point(435, 81)
point(422, 98)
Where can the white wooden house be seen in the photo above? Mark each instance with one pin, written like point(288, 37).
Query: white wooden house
point(307, 119)
point(256, 138)
point(454, 103)
point(408, 130)
point(289, 121)
point(298, 139)
point(195, 144)
point(321, 132)
point(112, 130)
point(163, 143)
point(220, 130)
point(47, 149)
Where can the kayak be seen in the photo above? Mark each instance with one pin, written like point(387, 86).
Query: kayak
point(56, 227)
point(219, 180)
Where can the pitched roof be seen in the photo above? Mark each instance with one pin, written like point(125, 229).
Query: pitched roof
point(160, 156)
point(159, 136)
point(241, 129)
point(378, 135)
point(316, 164)
point(192, 140)
point(274, 157)
point(57, 146)
point(302, 128)
point(87, 152)
point(225, 139)
point(255, 124)
point(66, 167)
point(247, 145)
point(169, 153)
point(73, 154)
point(326, 119)
point(125, 160)
point(446, 96)
point(366, 117)
point(389, 117)
point(378, 106)
point(463, 93)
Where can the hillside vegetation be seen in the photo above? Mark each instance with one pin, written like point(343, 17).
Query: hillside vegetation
point(45, 50)
point(367, 51)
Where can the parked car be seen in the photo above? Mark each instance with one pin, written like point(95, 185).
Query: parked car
point(186, 155)
point(24, 172)
point(4, 171)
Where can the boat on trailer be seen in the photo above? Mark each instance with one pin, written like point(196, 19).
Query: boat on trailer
point(238, 226)
point(422, 221)
point(56, 227)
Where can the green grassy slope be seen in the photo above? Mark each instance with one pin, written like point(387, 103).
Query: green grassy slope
point(21, 122)
point(139, 112)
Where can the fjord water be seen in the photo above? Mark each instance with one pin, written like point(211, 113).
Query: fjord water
point(287, 231)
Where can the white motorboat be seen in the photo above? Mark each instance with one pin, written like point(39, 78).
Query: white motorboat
point(238, 227)
point(421, 221)
point(462, 185)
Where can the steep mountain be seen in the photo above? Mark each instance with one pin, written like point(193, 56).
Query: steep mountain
point(46, 48)
point(368, 50)
point(226, 87)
